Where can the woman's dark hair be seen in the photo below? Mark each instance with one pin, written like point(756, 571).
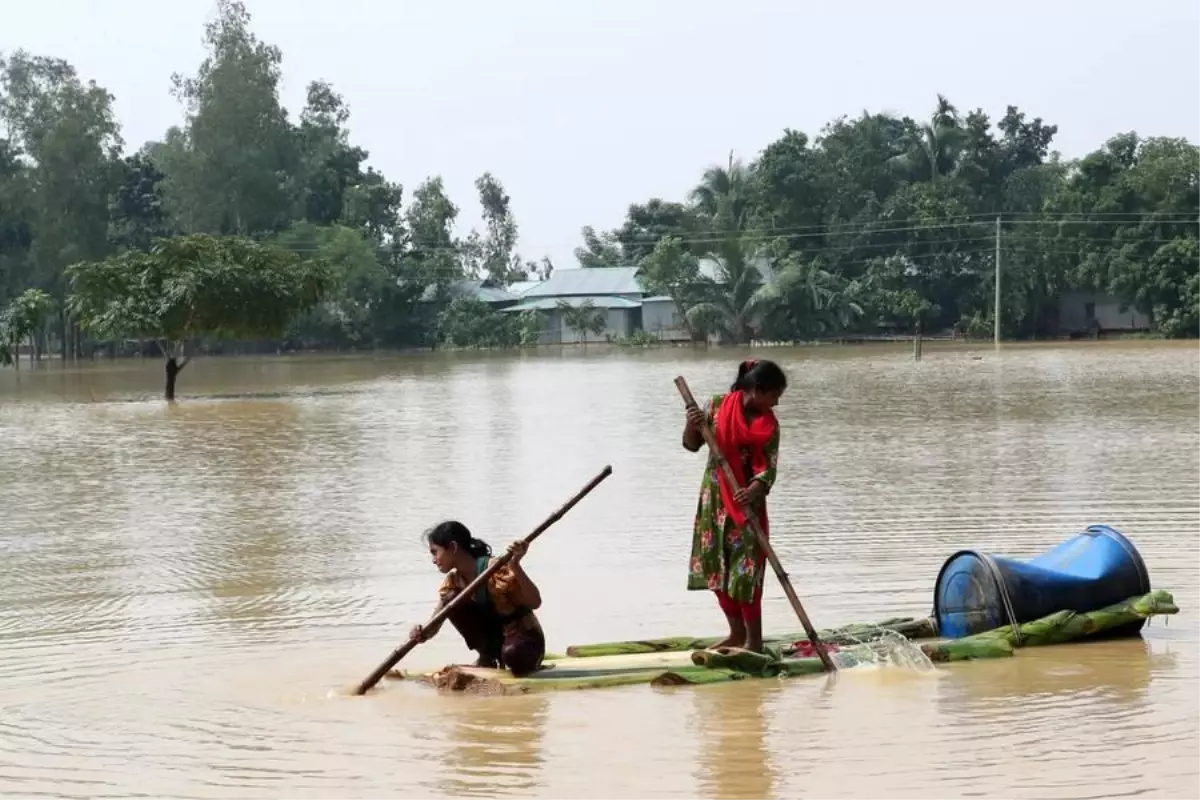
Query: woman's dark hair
point(763, 375)
point(451, 532)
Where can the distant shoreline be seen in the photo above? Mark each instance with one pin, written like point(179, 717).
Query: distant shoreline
point(939, 342)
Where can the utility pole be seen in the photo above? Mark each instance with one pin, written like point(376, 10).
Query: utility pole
point(996, 313)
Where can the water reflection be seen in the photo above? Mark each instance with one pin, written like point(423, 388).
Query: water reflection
point(734, 761)
point(492, 745)
point(1088, 707)
point(1112, 671)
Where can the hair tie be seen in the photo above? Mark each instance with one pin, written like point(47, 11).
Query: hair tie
point(749, 363)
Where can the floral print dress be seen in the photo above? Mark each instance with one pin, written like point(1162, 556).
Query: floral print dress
point(725, 559)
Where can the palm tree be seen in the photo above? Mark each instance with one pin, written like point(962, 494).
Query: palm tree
point(933, 148)
point(723, 195)
point(813, 300)
point(736, 302)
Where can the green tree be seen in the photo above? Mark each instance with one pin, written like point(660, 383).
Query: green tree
point(789, 189)
point(468, 322)
point(647, 224)
point(932, 149)
point(358, 281)
point(492, 256)
point(808, 300)
point(191, 286)
point(539, 270)
point(226, 166)
point(22, 319)
point(64, 132)
point(137, 215)
point(374, 206)
point(16, 221)
point(672, 271)
point(899, 295)
point(432, 257)
point(329, 167)
point(600, 250)
point(584, 318)
point(736, 304)
point(722, 198)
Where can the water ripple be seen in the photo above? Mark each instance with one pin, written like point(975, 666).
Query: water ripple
point(189, 588)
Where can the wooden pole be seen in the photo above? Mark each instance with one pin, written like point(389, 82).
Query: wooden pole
point(996, 313)
point(443, 612)
point(757, 531)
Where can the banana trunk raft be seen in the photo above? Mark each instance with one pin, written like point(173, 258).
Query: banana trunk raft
point(687, 661)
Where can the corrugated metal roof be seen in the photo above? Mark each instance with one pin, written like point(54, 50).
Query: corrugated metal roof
point(551, 303)
point(490, 294)
point(518, 288)
point(471, 288)
point(592, 281)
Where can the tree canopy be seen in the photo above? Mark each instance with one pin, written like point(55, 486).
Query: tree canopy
point(191, 286)
point(195, 285)
point(885, 220)
point(873, 222)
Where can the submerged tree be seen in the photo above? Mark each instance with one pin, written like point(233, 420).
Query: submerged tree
point(25, 317)
point(192, 286)
point(584, 318)
point(468, 322)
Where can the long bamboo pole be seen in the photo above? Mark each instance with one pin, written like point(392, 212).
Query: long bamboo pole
point(757, 531)
point(443, 612)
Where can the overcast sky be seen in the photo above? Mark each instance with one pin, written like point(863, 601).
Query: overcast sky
point(581, 107)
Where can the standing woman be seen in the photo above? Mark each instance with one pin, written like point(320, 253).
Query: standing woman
point(726, 558)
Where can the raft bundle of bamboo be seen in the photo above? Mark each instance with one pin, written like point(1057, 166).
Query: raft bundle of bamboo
point(687, 661)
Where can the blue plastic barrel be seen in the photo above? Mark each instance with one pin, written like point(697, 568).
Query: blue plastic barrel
point(977, 591)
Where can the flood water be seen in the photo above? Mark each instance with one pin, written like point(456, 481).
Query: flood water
point(189, 590)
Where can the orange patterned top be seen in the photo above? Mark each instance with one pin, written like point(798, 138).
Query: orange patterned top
point(503, 591)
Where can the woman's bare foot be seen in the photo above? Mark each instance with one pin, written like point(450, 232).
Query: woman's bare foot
point(727, 643)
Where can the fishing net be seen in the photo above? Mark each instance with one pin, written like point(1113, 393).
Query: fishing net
point(869, 645)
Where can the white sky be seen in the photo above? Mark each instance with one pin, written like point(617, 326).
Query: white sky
point(581, 107)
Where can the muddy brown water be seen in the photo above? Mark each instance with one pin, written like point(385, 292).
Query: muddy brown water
point(186, 589)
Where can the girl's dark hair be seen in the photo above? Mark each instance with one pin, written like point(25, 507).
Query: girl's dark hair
point(766, 376)
point(451, 532)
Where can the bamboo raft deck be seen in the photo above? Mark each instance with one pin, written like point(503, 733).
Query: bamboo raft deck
point(682, 661)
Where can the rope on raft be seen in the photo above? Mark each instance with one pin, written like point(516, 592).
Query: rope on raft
point(1005, 600)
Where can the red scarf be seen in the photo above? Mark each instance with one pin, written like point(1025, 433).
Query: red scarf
point(735, 439)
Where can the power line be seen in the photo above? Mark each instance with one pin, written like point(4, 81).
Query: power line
point(984, 221)
point(767, 236)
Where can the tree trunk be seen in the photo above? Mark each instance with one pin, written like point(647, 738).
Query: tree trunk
point(172, 375)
